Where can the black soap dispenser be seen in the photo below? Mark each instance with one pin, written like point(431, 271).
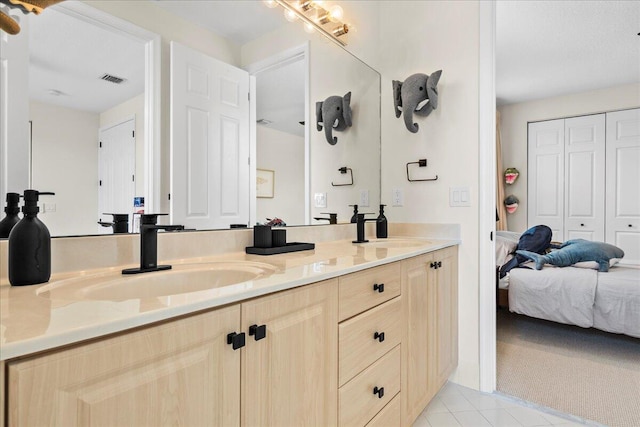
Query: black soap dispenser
point(354, 217)
point(29, 245)
point(11, 219)
point(381, 224)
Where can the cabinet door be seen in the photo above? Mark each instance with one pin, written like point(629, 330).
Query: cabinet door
point(446, 307)
point(418, 344)
point(178, 373)
point(584, 177)
point(623, 176)
point(289, 378)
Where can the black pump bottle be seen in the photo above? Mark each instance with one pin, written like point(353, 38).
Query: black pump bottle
point(29, 246)
point(11, 210)
point(381, 224)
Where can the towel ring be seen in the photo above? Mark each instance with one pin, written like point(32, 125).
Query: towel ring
point(421, 163)
point(344, 170)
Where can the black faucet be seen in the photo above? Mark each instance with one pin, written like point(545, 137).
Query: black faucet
point(333, 217)
point(149, 244)
point(360, 221)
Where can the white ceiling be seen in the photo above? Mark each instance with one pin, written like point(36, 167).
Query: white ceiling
point(69, 55)
point(550, 48)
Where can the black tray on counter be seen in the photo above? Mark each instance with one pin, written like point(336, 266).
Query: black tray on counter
point(289, 247)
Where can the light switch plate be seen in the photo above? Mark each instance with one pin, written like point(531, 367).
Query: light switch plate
point(459, 196)
point(397, 197)
point(320, 200)
point(364, 197)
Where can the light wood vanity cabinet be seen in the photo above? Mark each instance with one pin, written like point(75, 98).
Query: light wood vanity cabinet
point(430, 341)
point(343, 351)
point(183, 372)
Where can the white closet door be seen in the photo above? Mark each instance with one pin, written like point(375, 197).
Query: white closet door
point(584, 163)
point(623, 178)
point(545, 176)
point(209, 141)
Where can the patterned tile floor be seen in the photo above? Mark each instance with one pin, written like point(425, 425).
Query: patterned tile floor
point(458, 406)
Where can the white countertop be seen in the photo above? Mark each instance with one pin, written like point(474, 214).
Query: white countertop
point(40, 317)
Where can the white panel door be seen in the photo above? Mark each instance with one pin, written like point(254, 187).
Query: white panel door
point(116, 170)
point(545, 176)
point(209, 141)
point(584, 162)
point(623, 183)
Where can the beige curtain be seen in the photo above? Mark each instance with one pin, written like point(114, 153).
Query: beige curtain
point(502, 211)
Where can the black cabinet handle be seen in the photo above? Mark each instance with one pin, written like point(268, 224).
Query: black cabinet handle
point(379, 336)
point(439, 264)
point(258, 332)
point(378, 391)
point(581, 225)
point(378, 287)
point(630, 225)
point(434, 265)
point(236, 340)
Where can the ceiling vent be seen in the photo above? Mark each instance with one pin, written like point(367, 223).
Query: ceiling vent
point(113, 79)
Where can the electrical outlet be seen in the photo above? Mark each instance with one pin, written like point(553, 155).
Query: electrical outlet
point(364, 197)
point(397, 197)
point(320, 200)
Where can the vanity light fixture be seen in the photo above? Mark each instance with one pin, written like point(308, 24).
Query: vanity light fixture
point(328, 21)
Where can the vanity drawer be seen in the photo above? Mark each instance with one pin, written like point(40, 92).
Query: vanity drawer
point(389, 416)
point(359, 346)
point(358, 403)
point(365, 289)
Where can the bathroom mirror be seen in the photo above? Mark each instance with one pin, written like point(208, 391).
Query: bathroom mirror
point(293, 154)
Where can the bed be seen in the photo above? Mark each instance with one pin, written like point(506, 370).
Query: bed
point(576, 295)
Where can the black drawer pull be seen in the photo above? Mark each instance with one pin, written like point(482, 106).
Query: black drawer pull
point(379, 336)
point(630, 226)
point(439, 264)
point(258, 332)
point(434, 265)
point(378, 287)
point(236, 340)
point(378, 391)
point(581, 225)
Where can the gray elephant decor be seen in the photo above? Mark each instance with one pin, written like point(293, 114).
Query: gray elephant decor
point(334, 113)
point(417, 94)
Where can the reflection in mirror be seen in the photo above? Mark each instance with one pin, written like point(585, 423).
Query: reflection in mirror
point(306, 166)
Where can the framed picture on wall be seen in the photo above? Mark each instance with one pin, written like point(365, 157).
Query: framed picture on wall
point(265, 183)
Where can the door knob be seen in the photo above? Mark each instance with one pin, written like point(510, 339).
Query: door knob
point(258, 332)
point(236, 340)
point(379, 336)
point(581, 225)
point(378, 391)
point(378, 287)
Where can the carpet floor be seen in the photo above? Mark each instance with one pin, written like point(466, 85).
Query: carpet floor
point(584, 372)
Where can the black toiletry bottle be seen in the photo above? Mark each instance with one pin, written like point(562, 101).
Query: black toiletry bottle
point(381, 224)
point(29, 246)
point(11, 219)
point(354, 218)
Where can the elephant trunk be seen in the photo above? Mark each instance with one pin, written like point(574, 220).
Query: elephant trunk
point(408, 117)
point(328, 132)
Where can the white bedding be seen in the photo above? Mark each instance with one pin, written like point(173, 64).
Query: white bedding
point(578, 296)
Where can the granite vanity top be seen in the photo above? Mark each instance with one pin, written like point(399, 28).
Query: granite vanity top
point(42, 317)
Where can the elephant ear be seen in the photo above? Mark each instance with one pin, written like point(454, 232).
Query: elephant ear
point(432, 89)
point(346, 108)
point(397, 98)
point(319, 121)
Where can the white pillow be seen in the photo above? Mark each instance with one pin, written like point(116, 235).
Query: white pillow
point(504, 248)
point(594, 265)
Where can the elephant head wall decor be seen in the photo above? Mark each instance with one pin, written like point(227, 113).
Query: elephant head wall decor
point(334, 113)
point(417, 94)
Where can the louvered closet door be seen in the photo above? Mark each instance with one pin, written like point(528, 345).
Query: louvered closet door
point(545, 176)
point(584, 174)
point(623, 178)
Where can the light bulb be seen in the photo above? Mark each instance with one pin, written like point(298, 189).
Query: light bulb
point(290, 15)
point(309, 28)
point(336, 13)
point(270, 3)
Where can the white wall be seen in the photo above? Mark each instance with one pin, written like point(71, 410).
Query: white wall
point(283, 153)
point(65, 161)
point(515, 117)
point(133, 107)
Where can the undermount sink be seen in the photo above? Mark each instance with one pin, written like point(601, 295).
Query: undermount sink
point(181, 279)
point(396, 243)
